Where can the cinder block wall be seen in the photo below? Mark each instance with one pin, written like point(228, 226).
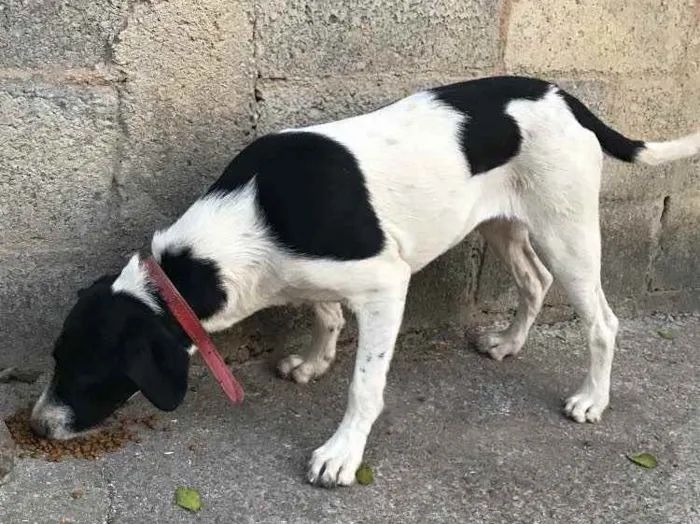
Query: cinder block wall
point(114, 115)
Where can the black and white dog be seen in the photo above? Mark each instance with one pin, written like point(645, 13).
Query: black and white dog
point(344, 213)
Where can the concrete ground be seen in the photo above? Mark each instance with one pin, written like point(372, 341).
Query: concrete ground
point(463, 439)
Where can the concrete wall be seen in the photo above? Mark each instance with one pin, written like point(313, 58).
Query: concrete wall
point(114, 115)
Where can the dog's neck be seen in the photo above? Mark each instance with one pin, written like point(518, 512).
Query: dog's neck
point(217, 301)
point(134, 281)
point(212, 254)
point(220, 297)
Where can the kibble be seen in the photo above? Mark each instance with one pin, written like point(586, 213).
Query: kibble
point(89, 447)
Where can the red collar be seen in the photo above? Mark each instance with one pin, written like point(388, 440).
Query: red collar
point(194, 329)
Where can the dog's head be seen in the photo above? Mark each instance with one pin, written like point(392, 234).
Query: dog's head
point(111, 346)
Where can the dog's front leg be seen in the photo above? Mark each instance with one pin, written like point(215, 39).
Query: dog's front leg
point(379, 316)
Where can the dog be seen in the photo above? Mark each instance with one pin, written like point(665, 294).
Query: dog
point(343, 214)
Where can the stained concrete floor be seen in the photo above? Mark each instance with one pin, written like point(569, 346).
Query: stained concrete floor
point(463, 439)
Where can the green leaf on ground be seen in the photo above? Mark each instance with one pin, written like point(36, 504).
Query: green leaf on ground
point(665, 333)
point(188, 498)
point(645, 460)
point(364, 475)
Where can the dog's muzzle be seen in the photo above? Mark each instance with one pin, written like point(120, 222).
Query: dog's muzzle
point(51, 419)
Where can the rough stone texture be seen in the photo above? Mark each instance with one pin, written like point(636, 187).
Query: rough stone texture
point(36, 290)
point(7, 453)
point(307, 102)
point(298, 38)
point(692, 51)
point(647, 109)
point(187, 102)
point(627, 230)
point(610, 36)
point(42, 493)
point(674, 300)
point(677, 263)
point(57, 153)
point(57, 33)
point(463, 439)
point(443, 291)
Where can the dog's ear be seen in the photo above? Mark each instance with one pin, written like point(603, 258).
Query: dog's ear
point(159, 368)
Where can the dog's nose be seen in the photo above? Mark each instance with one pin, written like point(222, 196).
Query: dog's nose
point(39, 427)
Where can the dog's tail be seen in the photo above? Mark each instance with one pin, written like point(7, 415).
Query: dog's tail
point(627, 150)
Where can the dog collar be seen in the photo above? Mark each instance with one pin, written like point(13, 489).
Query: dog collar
point(189, 322)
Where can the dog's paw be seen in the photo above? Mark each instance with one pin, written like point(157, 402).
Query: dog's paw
point(586, 406)
point(336, 462)
point(497, 345)
point(301, 371)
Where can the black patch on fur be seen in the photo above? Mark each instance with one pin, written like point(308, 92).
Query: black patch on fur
point(110, 346)
point(612, 142)
point(489, 136)
point(312, 195)
point(197, 280)
point(159, 370)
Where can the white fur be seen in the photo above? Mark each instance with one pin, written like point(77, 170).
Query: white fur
point(227, 228)
point(396, 147)
point(427, 202)
point(317, 359)
point(53, 416)
point(655, 153)
point(134, 281)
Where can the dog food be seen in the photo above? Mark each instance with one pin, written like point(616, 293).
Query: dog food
point(89, 447)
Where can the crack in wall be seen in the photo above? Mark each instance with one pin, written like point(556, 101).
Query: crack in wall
point(656, 233)
point(257, 75)
point(116, 184)
point(504, 24)
point(473, 293)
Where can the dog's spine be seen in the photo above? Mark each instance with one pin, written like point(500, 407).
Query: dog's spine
point(626, 149)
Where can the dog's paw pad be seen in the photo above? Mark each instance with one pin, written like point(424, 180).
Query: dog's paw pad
point(586, 407)
point(301, 371)
point(336, 462)
point(496, 345)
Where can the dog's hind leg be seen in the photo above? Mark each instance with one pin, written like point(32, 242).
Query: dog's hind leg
point(315, 361)
point(571, 250)
point(510, 240)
